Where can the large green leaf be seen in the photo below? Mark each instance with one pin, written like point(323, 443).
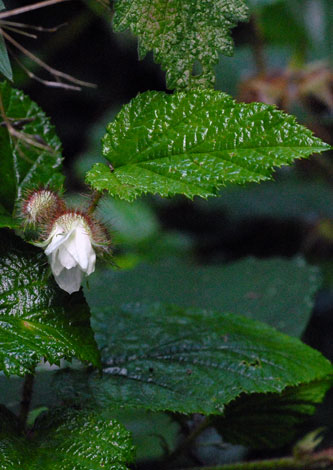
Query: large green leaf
point(182, 33)
point(33, 157)
point(276, 291)
point(270, 420)
point(65, 440)
point(193, 143)
point(37, 319)
point(195, 361)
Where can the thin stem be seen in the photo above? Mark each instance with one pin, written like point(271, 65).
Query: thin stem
point(321, 460)
point(204, 424)
point(26, 399)
point(258, 46)
point(19, 11)
point(95, 198)
point(56, 73)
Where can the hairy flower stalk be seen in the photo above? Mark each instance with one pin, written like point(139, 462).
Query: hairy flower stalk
point(71, 248)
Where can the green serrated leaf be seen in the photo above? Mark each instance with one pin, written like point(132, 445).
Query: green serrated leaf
point(193, 143)
point(66, 439)
point(270, 420)
point(37, 319)
point(32, 157)
point(182, 33)
point(276, 291)
point(195, 361)
point(81, 440)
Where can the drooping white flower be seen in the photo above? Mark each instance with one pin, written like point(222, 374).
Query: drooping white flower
point(70, 251)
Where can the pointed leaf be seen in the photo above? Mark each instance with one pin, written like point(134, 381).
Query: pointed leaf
point(181, 33)
point(195, 361)
point(37, 319)
point(193, 143)
point(30, 158)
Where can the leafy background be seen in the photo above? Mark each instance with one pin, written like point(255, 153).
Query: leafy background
point(289, 217)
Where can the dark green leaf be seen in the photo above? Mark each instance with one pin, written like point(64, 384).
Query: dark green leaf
point(195, 361)
point(64, 440)
point(193, 143)
point(5, 67)
point(182, 33)
point(276, 291)
point(38, 320)
point(13, 448)
point(8, 222)
point(270, 420)
point(81, 440)
point(32, 157)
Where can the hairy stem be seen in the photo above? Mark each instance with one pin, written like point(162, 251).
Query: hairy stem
point(26, 399)
point(95, 198)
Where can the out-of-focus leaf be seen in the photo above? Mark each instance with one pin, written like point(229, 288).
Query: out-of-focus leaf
point(182, 33)
point(6, 221)
point(276, 291)
point(270, 420)
point(32, 158)
point(37, 319)
point(195, 361)
point(193, 143)
point(284, 198)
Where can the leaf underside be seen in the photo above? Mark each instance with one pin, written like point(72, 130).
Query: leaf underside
point(33, 157)
point(183, 34)
point(193, 143)
point(194, 361)
point(37, 319)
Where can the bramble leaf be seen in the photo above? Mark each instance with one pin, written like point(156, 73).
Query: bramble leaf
point(194, 361)
point(37, 319)
point(193, 143)
point(182, 33)
point(82, 440)
point(64, 440)
point(30, 155)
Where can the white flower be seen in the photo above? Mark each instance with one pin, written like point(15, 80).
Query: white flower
point(70, 251)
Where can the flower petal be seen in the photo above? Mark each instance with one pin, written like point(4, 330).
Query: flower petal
point(70, 279)
point(65, 258)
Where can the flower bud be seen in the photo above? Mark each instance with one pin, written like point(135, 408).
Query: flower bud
point(41, 206)
point(70, 247)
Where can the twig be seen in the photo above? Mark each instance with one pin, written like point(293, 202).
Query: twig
point(19, 11)
point(258, 47)
point(95, 198)
point(26, 399)
point(204, 424)
point(5, 23)
point(56, 73)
